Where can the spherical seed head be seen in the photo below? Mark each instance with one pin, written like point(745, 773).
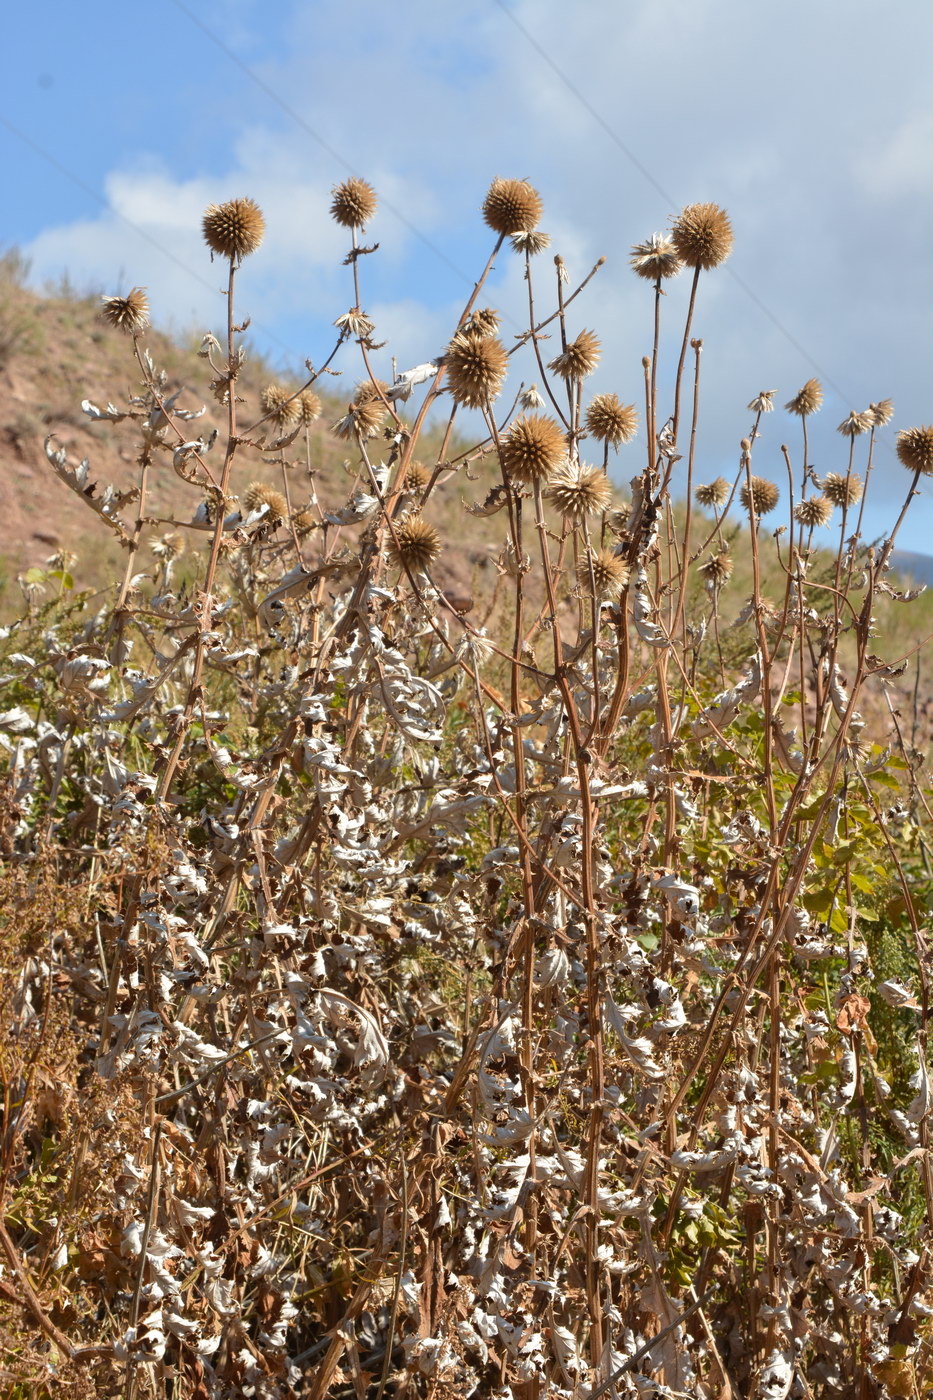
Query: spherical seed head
point(764, 495)
point(763, 403)
point(580, 491)
point(310, 407)
point(233, 230)
point(484, 321)
point(512, 206)
point(717, 569)
point(532, 242)
point(354, 203)
point(371, 389)
point(808, 400)
point(129, 313)
point(611, 421)
point(816, 510)
point(714, 494)
point(259, 494)
point(855, 424)
point(533, 449)
point(602, 574)
point(579, 359)
point(842, 490)
point(702, 235)
point(279, 406)
point(881, 412)
point(304, 522)
point(418, 476)
point(416, 545)
point(476, 366)
point(915, 449)
point(656, 258)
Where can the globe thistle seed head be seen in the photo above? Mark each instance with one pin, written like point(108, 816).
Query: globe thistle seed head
point(512, 206)
point(610, 421)
point(764, 495)
point(530, 398)
point(807, 400)
point(416, 545)
point(602, 574)
point(310, 407)
point(842, 490)
point(304, 521)
point(816, 510)
point(702, 235)
point(855, 424)
point(356, 323)
point(233, 230)
point(532, 450)
point(476, 366)
point(484, 321)
point(915, 449)
point(129, 313)
point(580, 491)
point(369, 390)
point(881, 412)
point(579, 359)
point(279, 406)
point(363, 418)
point(259, 494)
point(714, 494)
point(717, 569)
point(353, 203)
point(656, 258)
point(531, 242)
point(169, 547)
point(418, 477)
point(764, 402)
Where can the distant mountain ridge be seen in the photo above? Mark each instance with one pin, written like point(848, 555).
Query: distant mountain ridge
point(917, 566)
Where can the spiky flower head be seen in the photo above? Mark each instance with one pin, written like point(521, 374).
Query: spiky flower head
point(815, 510)
point(533, 449)
point(807, 400)
point(532, 242)
point(363, 417)
point(702, 235)
point(370, 389)
point(304, 521)
point(763, 496)
point(763, 403)
point(418, 476)
point(610, 421)
point(169, 547)
point(579, 359)
point(512, 206)
point(233, 230)
point(279, 406)
point(842, 490)
point(484, 321)
point(855, 424)
point(310, 407)
point(476, 366)
point(259, 494)
point(416, 544)
point(881, 412)
point(129, 313)
point(580, 491)
point(717, 569)
point(356, 323)
point(714, 494)
point(656, 258)
point(602, 574)
point(915, 449)
point(530, 397)
point(353, 203)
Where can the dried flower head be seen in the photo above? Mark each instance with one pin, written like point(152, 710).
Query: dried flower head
point(512, 206)
point(310, 407)
point(533, 449)
point(304, 521)
point(354, 203)
point(259, 494)
point(808, 400)
point(763, 403)
point(418, 476)
point(476, 366)
point(714, 494)
point(717, 569)
point(764, 495)
point(842, 490)
point(855, 424)
point(580, 491)
point(129, 313)
point(579, 359)
point(702, 235)
point(484, 321)
point(815, 510)
point(169, 547)
point(656, 258)
point(416, 545)
point(881, 412)
point(362, 417)
point(610, 421)
point(279, 406)
point(532, 242)
point(233, 230)
point(356, 323)
point(602, 574)
point(530, 397)
point(915, 449)
point(371, 389)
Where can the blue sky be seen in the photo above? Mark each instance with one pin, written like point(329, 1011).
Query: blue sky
point(812, 123)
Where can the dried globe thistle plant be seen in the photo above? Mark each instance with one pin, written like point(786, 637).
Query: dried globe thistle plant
point(304, 521)
point(807, 400)
point(842, 491)
point(416, 545)
point(855, 424)
point(355, 323)
point(418, 476)
point(310, 407)
point(532, 242)
point(279, 406)
point(713, 494)
point(354, 202)
point(764, 402)
point(915, 449)
point(580, 491)
point(533, 450)
point(476, 366)
point(656, 259)
point(259, 494)
point(363, 416)
point(579, 359)
point(512, 206)
point(702, 235)
point(129, 313)
point(814, 511)
point(530, 398)
point(233, 230)
point(881, 412)
point(764, 495)
point(603, 574)
point(610, 421)
point(484, 321)
point(717, 569)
